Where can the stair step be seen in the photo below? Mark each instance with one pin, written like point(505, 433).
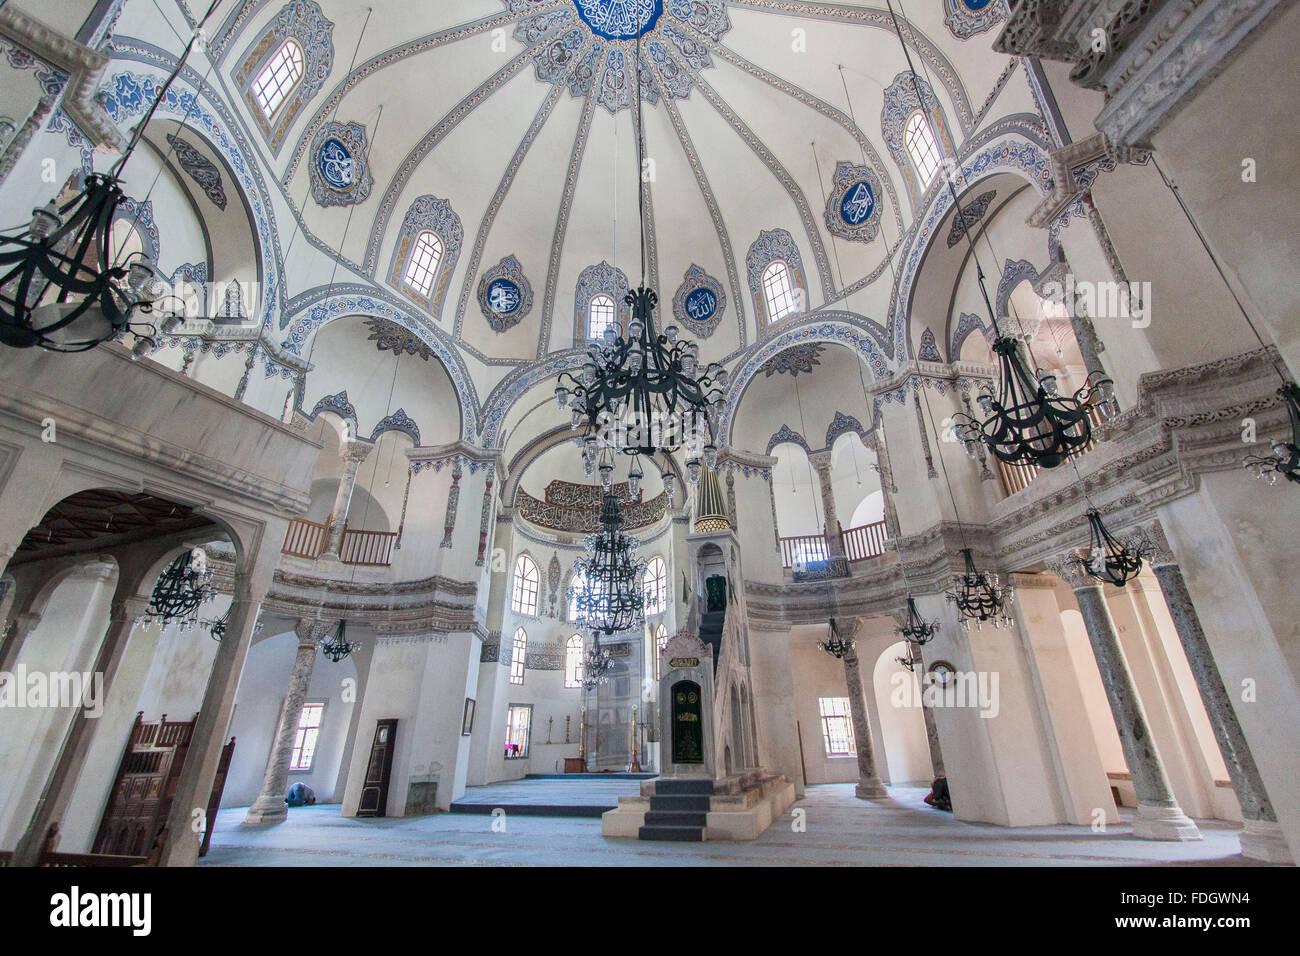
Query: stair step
point(666, 788)
point(680, 804)
point(677, 834)
point(675, 818)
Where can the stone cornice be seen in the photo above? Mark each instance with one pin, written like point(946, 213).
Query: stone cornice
point(85, 68)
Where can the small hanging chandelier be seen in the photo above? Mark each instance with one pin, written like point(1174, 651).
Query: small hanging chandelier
point(835, 645)
point(607, 594)
point(979, 597)
point(596, 665)
point(916, 630)
point(1285, 460)
point(1108, 559)
point(336, 646)
point(642, 393)
point(183, 587)
point(910, 660)
point(60, 286)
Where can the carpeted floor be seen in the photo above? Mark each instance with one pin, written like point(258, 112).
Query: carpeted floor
point(834, 828)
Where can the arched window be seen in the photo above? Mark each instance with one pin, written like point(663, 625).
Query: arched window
point(655, 584)
point(661, 641)
point(576, 584)
point(778, 291)
point(523, 597)
point(517, 655)
point(921, 146)
point(278, 78)
point(125, 241)
point(600, 316)
point(422, 266)
point(573, 661)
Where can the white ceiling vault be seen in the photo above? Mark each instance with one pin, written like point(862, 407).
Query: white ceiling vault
point(514, 116)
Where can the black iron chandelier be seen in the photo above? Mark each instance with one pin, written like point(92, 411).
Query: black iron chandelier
point(607, 593)
point(61, 287)
point(641, 391)
point(1109, 559)
point(910, 660)
point(1029, 422)
point(835, 645)
point(917, 630)
point(1285, 460)
point(184, 586)
point(336, 645)
point(596, 665)
point(979, 597)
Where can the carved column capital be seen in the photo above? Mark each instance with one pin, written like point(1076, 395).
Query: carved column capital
point(311, 630)
point(354, 450)
point(1161, 551)
point(821, 460)
point(1069, 568)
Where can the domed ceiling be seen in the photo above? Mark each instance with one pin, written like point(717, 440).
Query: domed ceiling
point(771, 129)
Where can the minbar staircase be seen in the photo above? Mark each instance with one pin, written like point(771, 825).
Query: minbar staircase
point(678, 811)
point(711, 633)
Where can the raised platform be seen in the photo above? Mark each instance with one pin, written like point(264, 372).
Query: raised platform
point(691, 809)
point(552, 795)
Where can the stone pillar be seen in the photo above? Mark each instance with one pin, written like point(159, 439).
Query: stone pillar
point(353, 454)
point(194, 788)
point(869, 786)
point(1261, 838)
point(15, 635)
point(62, 778)
point(932, 739)
point(822, 462)
point(888, 489)
point(269, 807)
point(1159, 816)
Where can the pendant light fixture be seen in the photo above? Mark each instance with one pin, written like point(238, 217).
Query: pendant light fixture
point(1285, 460)
point(915, 629)
point(61, 288)
point(596, 665)
point(1110, 560)
point(1027, 421)
point(607, 594)
point(641, 392)
point(336, 646)
point(184, 586)
point(835, 645)
point(979, 597)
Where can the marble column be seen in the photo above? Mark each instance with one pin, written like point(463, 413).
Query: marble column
point(869, 786)
point(888, 489)
point(16, 632)
point(1159, 817)
point(62, 778)
point(269, 807)
point(353, 454)
point(932, 738)
point(821, 460)
point(1261, 837)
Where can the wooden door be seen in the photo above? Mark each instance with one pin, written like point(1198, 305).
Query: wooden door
point(374, 793)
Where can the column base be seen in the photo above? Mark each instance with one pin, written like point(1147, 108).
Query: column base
point(871, 789)
point(1164, 823)
point(1263, 840)
point(260, 813)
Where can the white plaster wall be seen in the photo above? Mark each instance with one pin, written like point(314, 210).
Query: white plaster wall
point(902, 724)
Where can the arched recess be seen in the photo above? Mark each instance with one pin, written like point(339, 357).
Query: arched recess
point(1013, 147)
point(381, 379)
point(127, 96)
point(850, 331)
point(315, 311)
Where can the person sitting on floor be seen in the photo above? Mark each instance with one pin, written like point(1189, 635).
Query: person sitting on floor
point(300, 795)
point(938, 796)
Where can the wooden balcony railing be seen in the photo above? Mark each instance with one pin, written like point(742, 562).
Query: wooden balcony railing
point(372, 549)
point(803, 549)
point(307, 539)
point(864, 541)
point(1017, 477)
